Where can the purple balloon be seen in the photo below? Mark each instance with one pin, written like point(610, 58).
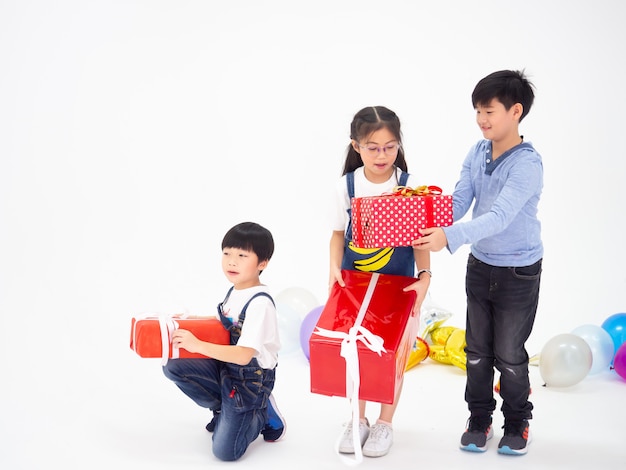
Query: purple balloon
point(307, 327)
point(619, 362)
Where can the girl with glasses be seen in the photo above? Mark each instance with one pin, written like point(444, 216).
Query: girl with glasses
point(374, 165)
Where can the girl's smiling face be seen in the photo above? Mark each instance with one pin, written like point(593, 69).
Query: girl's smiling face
point(378, 152)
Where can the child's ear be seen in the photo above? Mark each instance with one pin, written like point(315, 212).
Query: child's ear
point(263, 265)
point(518, 109)
point(355, 146)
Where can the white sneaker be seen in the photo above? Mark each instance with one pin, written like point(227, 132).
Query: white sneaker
point(379, 441)
point(346, 446)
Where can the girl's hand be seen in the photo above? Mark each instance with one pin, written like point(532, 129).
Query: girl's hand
point(420, 286)
point(335, 276)
point(185, 339)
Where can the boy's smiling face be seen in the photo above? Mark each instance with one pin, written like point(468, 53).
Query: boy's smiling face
point(496, 123)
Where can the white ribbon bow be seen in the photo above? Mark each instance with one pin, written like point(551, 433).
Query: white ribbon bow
point(167, 325)
point(349, 352)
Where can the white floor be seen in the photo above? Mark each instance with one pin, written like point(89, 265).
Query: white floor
point(119, 411)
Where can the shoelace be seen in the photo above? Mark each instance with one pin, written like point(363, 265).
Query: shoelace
point(378, 431)
point(478, 424)
point(515, 428)
point(348, 430)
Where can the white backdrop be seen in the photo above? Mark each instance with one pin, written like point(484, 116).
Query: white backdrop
point(133, 134)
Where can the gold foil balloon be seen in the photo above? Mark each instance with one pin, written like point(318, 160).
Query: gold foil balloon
point(445, 344)
point(449, 346)
point(440, 335)
point(431, 317)
point(438, 353)
point(418, 353)
point(455, 348)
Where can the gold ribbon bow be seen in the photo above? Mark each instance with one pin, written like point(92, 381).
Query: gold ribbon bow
point(418, 191)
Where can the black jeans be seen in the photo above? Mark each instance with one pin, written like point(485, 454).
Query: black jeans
point(501, 308)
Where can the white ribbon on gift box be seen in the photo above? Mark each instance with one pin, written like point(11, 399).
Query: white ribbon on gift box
point(349, 352)
point(167, 325)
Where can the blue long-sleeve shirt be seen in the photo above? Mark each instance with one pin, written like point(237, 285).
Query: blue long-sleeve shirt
point(504, 229)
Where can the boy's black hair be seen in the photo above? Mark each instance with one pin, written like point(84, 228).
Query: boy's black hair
point(367, 121)
point(250, 236)
point(508, 87)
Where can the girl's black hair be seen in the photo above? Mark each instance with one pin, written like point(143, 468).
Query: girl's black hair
point(364, 123)
point(250, 236)
point(508, 87)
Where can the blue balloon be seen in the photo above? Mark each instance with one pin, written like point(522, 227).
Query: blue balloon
point(615, 325)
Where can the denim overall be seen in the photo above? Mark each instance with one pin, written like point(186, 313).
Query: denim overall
point(402, 261)
point(239, 393)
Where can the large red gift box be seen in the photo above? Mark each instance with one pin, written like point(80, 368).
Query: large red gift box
point(151, 335)
point(364, 335)
point(394, 219)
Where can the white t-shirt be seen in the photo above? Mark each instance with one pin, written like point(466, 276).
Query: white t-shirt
point(362, 188)
point(260, 327)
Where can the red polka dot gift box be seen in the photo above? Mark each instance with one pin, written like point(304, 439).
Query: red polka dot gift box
point(392, 220)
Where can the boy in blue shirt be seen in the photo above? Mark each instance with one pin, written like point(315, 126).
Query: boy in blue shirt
point(503, 177)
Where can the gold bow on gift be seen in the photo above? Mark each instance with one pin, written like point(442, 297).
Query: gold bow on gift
point(418, 191)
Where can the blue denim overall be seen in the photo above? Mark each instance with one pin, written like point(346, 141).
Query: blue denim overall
point(239, 393)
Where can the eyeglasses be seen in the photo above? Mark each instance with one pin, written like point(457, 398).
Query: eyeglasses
point(373, 151)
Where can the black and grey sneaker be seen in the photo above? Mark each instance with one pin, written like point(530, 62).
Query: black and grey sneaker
point(477, 433)
point(516, 437)
point(211, 426)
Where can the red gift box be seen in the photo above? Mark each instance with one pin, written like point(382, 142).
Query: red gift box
point(394, 219)
point(363, 338)
point(151, 336)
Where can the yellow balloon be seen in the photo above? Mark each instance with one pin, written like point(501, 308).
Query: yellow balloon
point(449, 346)
point(440, 335)
point(455, 348)
point(419, 352)
point(438, 353)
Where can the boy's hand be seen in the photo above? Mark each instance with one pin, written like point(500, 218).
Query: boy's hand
point(432, 239)
point(185, 339)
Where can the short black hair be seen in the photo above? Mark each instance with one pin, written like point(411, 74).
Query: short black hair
point(250, 236)
point(508, 87)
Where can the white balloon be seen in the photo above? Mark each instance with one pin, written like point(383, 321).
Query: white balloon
point(288, 328)
point(299, 299)
point(565, 360)
point(601, 344)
